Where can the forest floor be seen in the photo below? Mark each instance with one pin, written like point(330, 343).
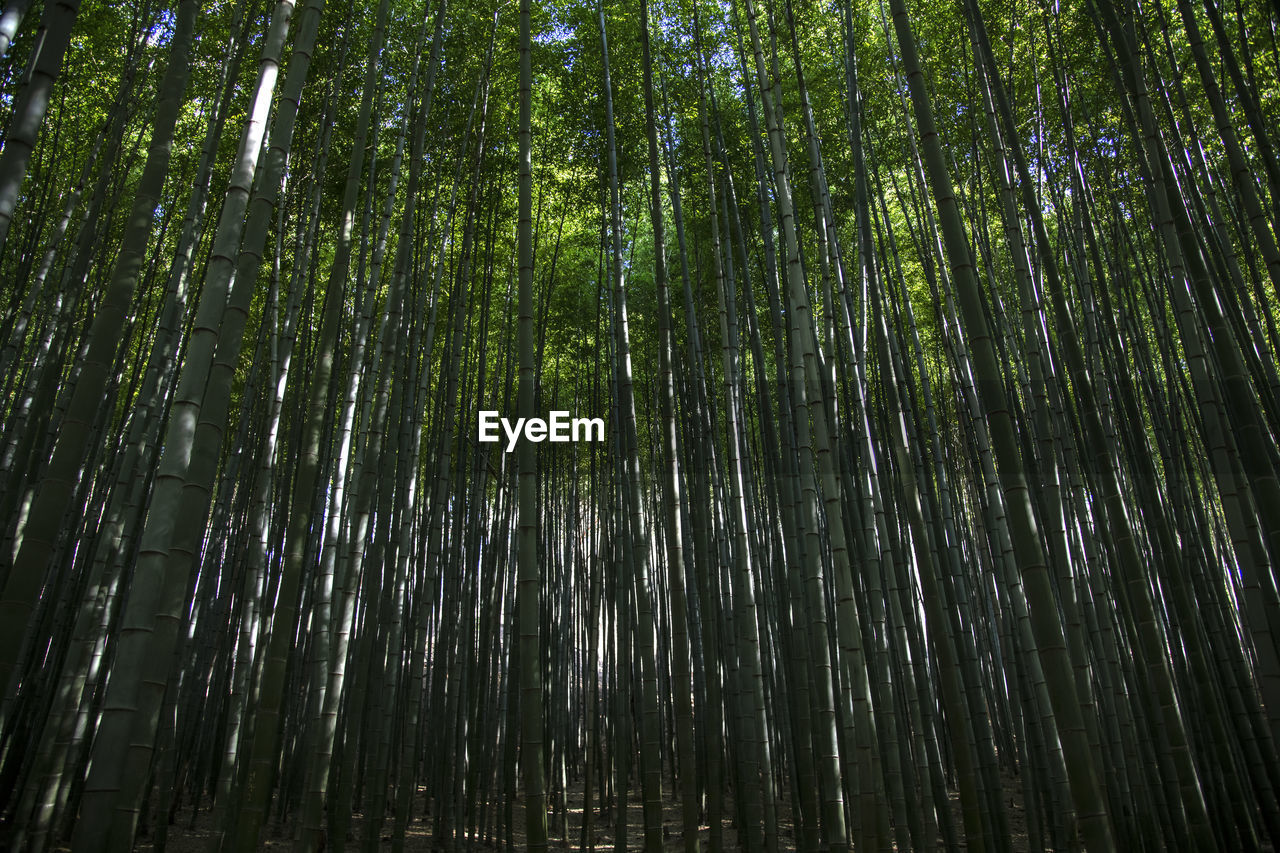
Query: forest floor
point(186, 836)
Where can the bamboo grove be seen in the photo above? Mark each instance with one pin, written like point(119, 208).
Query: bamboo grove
point(936, 346)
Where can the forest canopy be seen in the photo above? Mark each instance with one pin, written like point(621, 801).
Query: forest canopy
point(935, 347)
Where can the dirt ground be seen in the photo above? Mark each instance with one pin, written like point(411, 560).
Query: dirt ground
point(186, 837)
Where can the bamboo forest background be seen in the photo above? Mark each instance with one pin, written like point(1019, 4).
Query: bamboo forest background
point(937, 349)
